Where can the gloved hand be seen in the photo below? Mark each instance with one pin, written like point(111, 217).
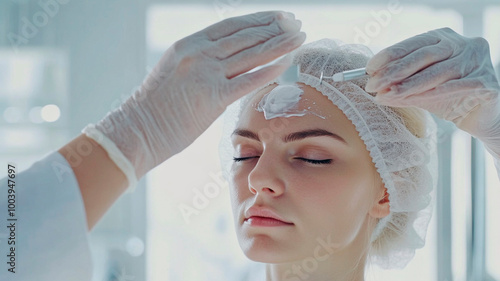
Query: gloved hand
point(446, 74)
point(193, 83)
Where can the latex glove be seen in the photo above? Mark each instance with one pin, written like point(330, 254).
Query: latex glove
point(446, 74)
point(193, 83)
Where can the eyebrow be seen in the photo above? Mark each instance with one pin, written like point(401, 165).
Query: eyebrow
point(292, 136)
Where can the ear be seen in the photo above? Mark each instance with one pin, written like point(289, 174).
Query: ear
point(381, 207)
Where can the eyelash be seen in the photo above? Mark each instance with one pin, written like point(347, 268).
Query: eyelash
point(242, 158)
point(316, 162)
point(312, 161)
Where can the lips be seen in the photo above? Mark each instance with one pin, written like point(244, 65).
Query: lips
point(266, 215)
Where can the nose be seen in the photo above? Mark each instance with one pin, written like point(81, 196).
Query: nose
point(266, 178)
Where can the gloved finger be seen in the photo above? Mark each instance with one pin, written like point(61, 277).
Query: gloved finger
point(262, 53)
point(403, 68)
point(399, 50)
point(231, 25)
point(249, 37)
point(446, 93)
point(451, 101)
point(429, 78)
point(239, 86)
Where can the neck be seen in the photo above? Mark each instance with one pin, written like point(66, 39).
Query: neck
point(342, 266)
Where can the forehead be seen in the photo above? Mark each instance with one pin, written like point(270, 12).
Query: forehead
point(313, 102)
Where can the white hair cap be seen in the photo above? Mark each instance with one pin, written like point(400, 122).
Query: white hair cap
point(405, 160)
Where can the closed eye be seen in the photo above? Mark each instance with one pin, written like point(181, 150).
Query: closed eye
point(239, 159)
point(313, 161)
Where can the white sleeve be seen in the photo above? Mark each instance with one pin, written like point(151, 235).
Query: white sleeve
point(496, 158)
point(497, 165)
point(50, 233)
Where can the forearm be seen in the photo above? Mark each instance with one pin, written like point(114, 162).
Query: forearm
point(100, 181)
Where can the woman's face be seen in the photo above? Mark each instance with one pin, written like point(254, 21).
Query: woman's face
point(313, 175)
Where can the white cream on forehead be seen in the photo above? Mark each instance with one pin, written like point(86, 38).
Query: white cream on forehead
point(282, 101)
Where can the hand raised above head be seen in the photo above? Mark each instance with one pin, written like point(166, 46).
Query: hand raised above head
point(194, 81)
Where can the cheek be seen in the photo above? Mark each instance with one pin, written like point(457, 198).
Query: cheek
point(335, 203)
point(238, 187)
point(326, 193)
point(340, 185)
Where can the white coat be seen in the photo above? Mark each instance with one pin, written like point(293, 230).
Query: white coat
point(49, 239)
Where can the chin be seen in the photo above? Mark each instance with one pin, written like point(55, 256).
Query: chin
point(263, 248)
point(260, 249)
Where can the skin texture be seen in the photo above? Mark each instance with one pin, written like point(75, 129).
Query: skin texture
point(100, 181)
point(337, 203)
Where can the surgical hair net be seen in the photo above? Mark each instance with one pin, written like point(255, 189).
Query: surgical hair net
point(406, 162)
